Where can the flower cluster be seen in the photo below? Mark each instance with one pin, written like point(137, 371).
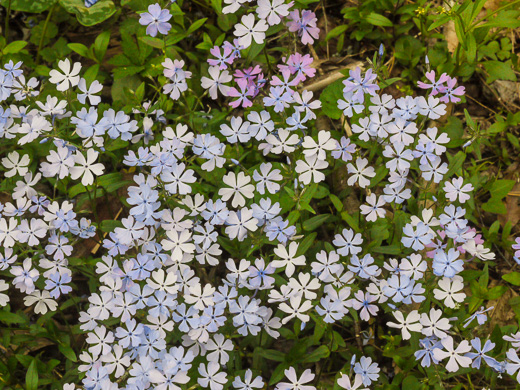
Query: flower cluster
point(174, 301)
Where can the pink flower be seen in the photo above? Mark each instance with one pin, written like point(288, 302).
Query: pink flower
point(242, 95)
point(436, 85)
point(450, 92)
point(301, 65)
point(223, 59)
point(305, 25)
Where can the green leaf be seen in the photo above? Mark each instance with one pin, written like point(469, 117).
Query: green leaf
point(89, 16)
point(11, 318)
point(513, 278)
point(278, 373)
point(329, 99)
point(195, 26)
point(79, 48)
point(32, 6)
point(31, 378)
point(502, 22)
point(498, 70)
point(500, 188)
point(495, 206)
point(455, 164)
point(378, 20)
point(270, 354)
point(109, 225)
point(338, 30)
point(68, 352)
point(14, 47)
point(306, 243)
point(101, 45)
point(154, 42)
point(336, 202)
point(319, 353)
point(315, 222)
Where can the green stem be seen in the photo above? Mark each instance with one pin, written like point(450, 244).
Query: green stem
point(7, 16)
point(44, 32)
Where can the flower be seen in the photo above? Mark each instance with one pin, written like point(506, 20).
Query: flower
point(156, 20)
point(304, 25)
point(240, 189)
point(296, 383)
point(86, 168)
point(410, 324)
point(69, 78)
point(455, 189)
point(309, 169)
point(247, 30)
point(359, 171)
point(456, 356)
point(273, 10)
point(448, 291)
point(216, 82)
point(15, 164)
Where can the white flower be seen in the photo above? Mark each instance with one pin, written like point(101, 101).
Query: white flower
point(375, 209)
point(455, 189)
point(240, 222)
point(69, 78)
point(89, 92)
point(309, 169)
point(238, 132)
point(267, 178)
point(284, 141)
point(240, 189)
point(410, 324)
point(247, 30)
point(4, 298)
point(216, 82)
point(15, 164)
point(434, 324)
point(359, 172)
point(345, 383)
point(59, 163)
point(86, 168)
point(43, 301)
point(455, 355)
point(288, 258)
point(449, 291)
point(313, 148)
point(271, 10)
point(211, 377)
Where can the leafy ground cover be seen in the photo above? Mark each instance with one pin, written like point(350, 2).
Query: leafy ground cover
point(271, 194)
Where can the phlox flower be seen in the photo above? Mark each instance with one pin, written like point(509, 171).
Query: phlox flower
point(309, 169)
point(452, 93)
point(239, 223)
point(368, 370)
point(243, 95)
point(455, 189)
point(360, 173)
point(296, 383)
point(69, 77)
point(247, 30)
point(240, 189)
point(457, 357)
point(273, 10)
point(216, 82)
point(449, 291)
point(86, 168)
point(409, 324)
point(156, 20)
point(304, 25)
point(16, 165)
